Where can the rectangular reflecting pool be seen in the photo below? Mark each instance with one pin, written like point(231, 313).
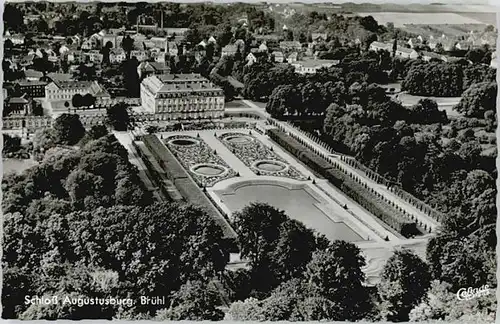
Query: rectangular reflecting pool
point(297, 203)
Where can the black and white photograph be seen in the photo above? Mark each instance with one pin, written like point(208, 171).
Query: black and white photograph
point(249, 161)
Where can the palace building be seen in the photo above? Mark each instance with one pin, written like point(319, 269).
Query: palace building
point(182, 96)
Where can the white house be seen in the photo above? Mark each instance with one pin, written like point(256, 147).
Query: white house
point(406, 52)
point(251, 59)
point(278, 57)
point(229, 50)
point(263, 47)
point(293, 57)
point(117, 56)
point(172, 49)
point(312, 66)
point(494, 61)
point(377, 46)
point(427, 56)
point(140, 55)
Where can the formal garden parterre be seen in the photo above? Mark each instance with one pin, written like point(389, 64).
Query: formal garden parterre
point(258, 157)
point(195, 155)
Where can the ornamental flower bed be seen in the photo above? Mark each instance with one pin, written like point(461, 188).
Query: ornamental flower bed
point(198, 153)
point(253, 151)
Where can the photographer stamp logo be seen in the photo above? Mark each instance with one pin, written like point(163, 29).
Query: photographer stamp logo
point(471, 293)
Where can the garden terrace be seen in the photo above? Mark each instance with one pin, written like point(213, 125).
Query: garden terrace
point(259, 158)
point(186, 186)
point(352, 187)
point(164, 157)
point(195, 155)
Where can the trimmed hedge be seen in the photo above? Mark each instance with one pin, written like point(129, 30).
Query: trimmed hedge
point(368, 200)
point(187, 187)
point(166, 159)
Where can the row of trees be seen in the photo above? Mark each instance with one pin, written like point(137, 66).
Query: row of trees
point(441, 79)
point(296, 274)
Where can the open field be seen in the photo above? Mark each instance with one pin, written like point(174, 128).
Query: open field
point(444, 103)
point(400, 19)
point(489, 18)
point(16, 165)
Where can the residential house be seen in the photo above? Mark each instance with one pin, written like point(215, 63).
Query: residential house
point(292, 57)
point(406, 52)
point(278, 57)
point(75, 40)
point(87, 44)
point(11, 64)
point(290, 45)
point(241, 45)
point(450, 59)
point(141, 55)
point(32, 75)
point(16, 39)
point(159, 57)
point(75, 57)
point(263, 47)
point(319, 37)
point(159, 42)
point(174, 31)
point(312, 66)
point(30, 89)
point(117, 56)
point(212, 40)
point(202, 44)
point(448, 44)
point(489, 38)
point(463, 45)
point(427, 56)
point(63, 50)
point(251, 59)
point(378, 46)
point(432, 43)
point(19, 106)
point(172, 49)
point(94, 56)
point(494, 61)
point(138, 40)
point(415, 41)
point(26, 61)
point(229, 50)
point(54, 77)
point(146, 69)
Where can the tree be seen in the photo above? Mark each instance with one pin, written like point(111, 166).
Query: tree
point(283, 100)
point(442, 304)
point(257, 226)
point(404, 284)
point(68, 129)
point(434, 79)
point(118, 117)
point(247, 310)
point(13, 17)
point(128, 45)
point(478, 99)
point(336, 273)
point(97, 131)
point(77, 100)
point(194, 301)
point(88, 100)
point(426, 112)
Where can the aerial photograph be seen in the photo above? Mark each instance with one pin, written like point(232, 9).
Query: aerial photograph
point(260, 161)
